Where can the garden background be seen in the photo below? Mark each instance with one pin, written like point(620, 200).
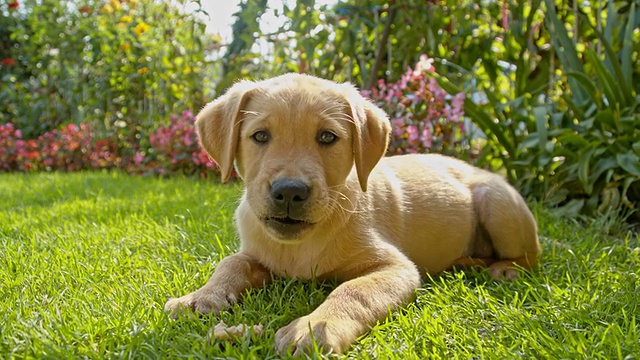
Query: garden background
point(546, 92)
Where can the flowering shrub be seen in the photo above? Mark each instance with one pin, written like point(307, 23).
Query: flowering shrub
point(424, 118)
point(104, 155)
point(66, 149)
point(169, 150)
point(15, 153)
point(175, 148)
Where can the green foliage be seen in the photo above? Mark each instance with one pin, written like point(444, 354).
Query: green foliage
point(588, 149)
point(240, 59)
point(116, 64)
point(506, 81)
point(87, 261)
point(574, 139)
point(496, 53)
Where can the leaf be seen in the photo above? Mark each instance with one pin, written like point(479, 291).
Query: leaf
point(636, 147)
point(605, 117)
point(612, 19)
point(605, 79)
point(627, 44)
point(583, 169)
point(625, 188)
point(614, 67)
point(532, 140)
point(565, 49)
point(588, 84)
point(540, 113)
point(578, 113)
point(601, 166)
point(572, 208)
point(629, 162)
point(573, 138)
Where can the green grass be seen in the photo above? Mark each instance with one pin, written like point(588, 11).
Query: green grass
point(87, 262)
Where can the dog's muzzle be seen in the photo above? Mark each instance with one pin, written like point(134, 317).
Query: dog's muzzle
point(288, 199)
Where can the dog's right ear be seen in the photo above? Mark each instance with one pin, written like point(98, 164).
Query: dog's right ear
point(371, 137)
point(218, 125)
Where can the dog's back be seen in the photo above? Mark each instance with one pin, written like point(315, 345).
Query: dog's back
point(441, 209)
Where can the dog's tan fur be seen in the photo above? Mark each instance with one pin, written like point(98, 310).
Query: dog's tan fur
point(377, 225)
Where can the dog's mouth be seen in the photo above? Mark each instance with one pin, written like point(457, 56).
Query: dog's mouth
point(287, 227)
point(287, 220)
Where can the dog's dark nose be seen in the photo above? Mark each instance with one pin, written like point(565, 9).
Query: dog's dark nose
point(289, 193)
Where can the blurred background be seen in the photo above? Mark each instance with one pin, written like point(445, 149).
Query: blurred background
point(543, 91)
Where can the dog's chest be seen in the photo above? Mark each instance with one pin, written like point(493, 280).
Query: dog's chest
point(301, 261)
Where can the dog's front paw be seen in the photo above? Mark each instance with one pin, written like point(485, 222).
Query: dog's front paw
point(200, 302)
point(329, 335)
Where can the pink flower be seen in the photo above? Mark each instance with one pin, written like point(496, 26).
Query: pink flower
point(398, 126)
point(186, 139)
point(426, 137)
point(412, 134)
point(457, 108)
point(458, 101)
point(138, 158)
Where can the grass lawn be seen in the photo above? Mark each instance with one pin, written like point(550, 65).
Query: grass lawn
point(88, 260)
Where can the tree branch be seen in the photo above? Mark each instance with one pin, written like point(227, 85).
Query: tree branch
point(373, 77)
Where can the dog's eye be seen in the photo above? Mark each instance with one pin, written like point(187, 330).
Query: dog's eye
point(260, 137)
point(327, 138)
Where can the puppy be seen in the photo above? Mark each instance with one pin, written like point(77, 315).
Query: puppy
point(320, 201)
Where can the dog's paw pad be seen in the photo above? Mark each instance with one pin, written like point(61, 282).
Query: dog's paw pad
point(503, 272)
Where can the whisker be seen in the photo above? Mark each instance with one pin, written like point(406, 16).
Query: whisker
point(334, 201)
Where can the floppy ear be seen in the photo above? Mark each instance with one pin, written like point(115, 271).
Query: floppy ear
point(218, 126)
point(371, 137)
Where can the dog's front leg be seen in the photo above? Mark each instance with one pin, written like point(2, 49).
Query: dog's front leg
point(234, 275)
point(352, 308)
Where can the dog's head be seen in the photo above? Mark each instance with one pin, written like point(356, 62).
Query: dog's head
point(294, 140)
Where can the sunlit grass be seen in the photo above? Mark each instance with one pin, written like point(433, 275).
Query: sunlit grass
point(88, 260)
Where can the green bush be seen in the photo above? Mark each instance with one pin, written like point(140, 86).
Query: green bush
point(586, 148)
point(574, 140)
point(116, 64)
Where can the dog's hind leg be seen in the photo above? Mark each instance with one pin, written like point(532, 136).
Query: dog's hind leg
point(510, 226)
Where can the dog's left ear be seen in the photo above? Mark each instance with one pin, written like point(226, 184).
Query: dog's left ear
point(370, 137)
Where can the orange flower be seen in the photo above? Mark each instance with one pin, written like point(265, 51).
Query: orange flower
point(13, 5)
point(143, 70)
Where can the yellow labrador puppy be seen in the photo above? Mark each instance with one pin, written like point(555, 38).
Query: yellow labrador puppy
point(321, 202)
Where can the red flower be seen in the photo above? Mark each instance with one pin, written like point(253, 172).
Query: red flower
point(14, 5)
point(8, 61)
